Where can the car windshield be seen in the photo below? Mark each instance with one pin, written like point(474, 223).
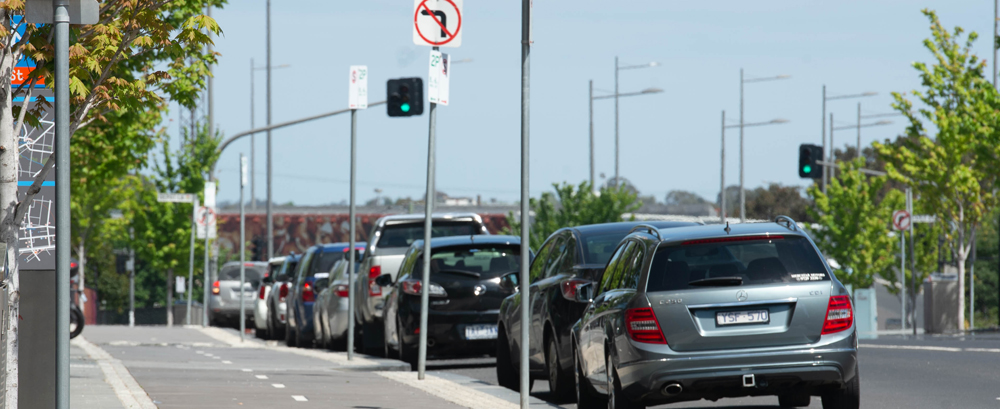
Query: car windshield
point(597, 249)
point(484, 262)
point(326, 261)
point(403, 235)
point(776, 259)
point(232, 272)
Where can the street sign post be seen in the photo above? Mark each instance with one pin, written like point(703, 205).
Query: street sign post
point(206, 221)
point(358, 87)
point(243, 248)
point(902, 222)
point(437, 23)
point(351, 253)
point(193, 199)
point(438, 78)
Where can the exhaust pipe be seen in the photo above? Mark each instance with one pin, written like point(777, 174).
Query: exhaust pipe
point(673, 389)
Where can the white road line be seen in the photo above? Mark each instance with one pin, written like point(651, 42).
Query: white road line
point(227, 362)
point(278, 385)
point(930, 348)
point(216, 357)
point(200, 352)
point(261, 376)
point(300, 398)
point(129, 393)
point(247, 370)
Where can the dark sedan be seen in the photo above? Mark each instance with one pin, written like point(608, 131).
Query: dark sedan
point(569, 258)
point(464, 291)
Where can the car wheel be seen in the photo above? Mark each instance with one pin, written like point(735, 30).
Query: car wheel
point(406, 353)
point(506, 373)
point(794, 401)
point(617, 399)
point(273, 328)
point(560, 382)
point(847, 398)
point(586, 398)
point(290, 337)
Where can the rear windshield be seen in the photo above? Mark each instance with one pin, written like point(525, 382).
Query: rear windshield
point(765, 261)
point(402, 235)
point(598, 249)
point(325, 262)
point(287, 270)
point(486, 261)
point(232, 272)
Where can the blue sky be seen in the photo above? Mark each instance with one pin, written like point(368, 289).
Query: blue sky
point(668, 141)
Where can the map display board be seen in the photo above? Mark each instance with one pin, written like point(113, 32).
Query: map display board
point(37, 236)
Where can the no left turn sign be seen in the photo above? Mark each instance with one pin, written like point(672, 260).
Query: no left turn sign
point(437, 22)
point(901, 220)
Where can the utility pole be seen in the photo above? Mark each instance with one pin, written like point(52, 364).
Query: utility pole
point(526, 14)
point(270, 217)
point(190, 283)
point(131, 278)
point(824, 138)
point(591, 103)
point(428, 225)
point(859, 130)
point(743, 194)
point(351, 253)
point(61, 20)
point(722, 173)
point(170, 297)
point(253, 143)
point(243, 248)
point(616, 121)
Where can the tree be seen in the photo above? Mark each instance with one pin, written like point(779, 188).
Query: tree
point(683, 198)
point(770, 202)
point(855, 225)
point(946, 157)
point(572, 206)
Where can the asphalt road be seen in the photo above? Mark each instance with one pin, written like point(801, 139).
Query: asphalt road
point(896, 372)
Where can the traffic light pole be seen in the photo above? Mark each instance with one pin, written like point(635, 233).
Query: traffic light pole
point(428, 225)
point(525, 377)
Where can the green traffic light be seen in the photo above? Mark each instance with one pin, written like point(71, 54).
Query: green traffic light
point(405, 107)
point(807, 169)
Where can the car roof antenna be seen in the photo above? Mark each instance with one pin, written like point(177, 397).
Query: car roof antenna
point(727, 229)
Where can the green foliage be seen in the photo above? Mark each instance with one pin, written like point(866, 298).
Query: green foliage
point(572, 206)
point(855, 226)
point(766, 203)
point(987, 268)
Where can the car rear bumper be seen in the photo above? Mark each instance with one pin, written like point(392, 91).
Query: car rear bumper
point(446, 332)
point(775, 371)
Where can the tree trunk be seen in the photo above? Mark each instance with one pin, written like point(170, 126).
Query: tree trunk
point(9, 229)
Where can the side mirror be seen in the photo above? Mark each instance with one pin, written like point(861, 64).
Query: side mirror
point(585, 293)
point(383, 280)
point(509, 281)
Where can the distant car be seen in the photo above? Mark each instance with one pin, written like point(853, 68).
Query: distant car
point(277, 313)
point(260, 307)
point(464, 291)
point(224, 305)
point(709, 312)
point(315, 264)
point(389, 240)
point(331, 315)
point(569, 258)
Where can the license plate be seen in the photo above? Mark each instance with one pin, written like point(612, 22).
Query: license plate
point(742, 317)
point(486, 331)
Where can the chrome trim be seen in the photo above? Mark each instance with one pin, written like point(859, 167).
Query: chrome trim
point(648, 228)
point(743, 304)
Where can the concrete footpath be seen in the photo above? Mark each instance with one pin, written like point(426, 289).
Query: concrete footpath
point(193, 367)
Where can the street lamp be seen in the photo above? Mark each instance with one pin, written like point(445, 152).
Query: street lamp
point(857, 126)
point(619, 68)
point(826, 98)
point(651, 90)
point(743, 201)
point(722, 167)
point(253, 184)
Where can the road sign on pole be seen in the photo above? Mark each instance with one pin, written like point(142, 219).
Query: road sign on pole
point(175, 197)
point(205, 218)
point(438, 78)
point(901, 220)
point(358, 87)
point(437, 23)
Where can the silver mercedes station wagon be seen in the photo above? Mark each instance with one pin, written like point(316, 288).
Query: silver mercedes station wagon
point(710, 312)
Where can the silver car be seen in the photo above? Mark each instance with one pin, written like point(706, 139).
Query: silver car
point(260, 308)
point(224, 305)
point(330, 314)
point(711, 312)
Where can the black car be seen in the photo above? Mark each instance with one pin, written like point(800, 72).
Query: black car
point(465, 295)
point(569, 258)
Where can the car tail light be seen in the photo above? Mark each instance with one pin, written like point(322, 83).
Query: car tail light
point(283, 292)
point(215, 288)
point(570, 287)
point(839, 314)
point(412, 286)
point(642, 326)
point(340, 290)
point(374, 289)
point(307, 292)
point(260, 293)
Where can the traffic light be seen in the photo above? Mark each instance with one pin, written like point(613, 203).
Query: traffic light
point(257, 248)
point(405, 97)
point(809, 157)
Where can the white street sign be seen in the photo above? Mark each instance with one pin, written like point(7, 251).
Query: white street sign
point(924, 218)
point(358, 87)
point(901, 220)
point(243, 171)
point(437, 22)
point(180, 286)
point(175, 197)
point(205, 220)
point(439, 78)
point(210, 194)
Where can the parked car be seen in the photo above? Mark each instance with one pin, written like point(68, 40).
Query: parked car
point(275, 298)
point(709, 312)
point(315, 264)
point(464, 291)
point(389, 241)
point(224, 305)
point(569, 258)
point(260, 306)
point(330, 317)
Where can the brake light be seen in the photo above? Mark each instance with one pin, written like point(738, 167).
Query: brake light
point(307, 292)
point(375, 271)
point(260, 294)
point(570, 287)
point(215, 288)
point(642, 326)
point(340, 290)
point(374, 289)
point(283, 292)
point(839, 314)
point(731, 239)
point(412, 286)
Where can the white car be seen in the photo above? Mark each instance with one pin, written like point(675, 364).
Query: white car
point(263, 306)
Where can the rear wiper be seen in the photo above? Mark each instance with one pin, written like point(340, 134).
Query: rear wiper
point(717, 281)
point(460, 272)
